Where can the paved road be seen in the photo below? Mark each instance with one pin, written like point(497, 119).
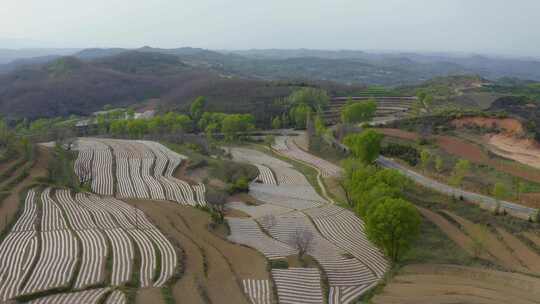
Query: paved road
point(516, 209)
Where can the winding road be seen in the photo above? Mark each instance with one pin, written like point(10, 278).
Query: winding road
point(514, 209)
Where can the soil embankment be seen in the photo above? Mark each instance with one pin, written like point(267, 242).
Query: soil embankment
point(429, 283)
point(213, 267)
point(470, 151)
point(9, 206)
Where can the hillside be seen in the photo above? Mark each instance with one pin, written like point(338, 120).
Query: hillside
point(344, 66)
point(69, 85)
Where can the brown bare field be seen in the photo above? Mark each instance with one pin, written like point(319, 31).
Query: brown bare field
point(529, 258)
point(525, 151)
point(435, 284)
point(9, 206)
point(454, 233)
point(213, 267)
point(148, 295)
point(496, 248)
point(533, 237)
point(469, 151)
point(462, 149)
point(508, 125)
point(5, 165)
point(530, 199)
point(398, 133)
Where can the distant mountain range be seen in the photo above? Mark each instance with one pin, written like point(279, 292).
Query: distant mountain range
point(53, 84)
point(345, 66)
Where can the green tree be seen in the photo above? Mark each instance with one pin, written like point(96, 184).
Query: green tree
point(181, 122)
point(365, 186)
point(285, 121)
point(234, 123)
point(299, 115)
point(364, 146)
point(393, 225)
point(461, 169)
point(425, 159)
point(358, 112)
point(499, 191)
point(196, 109)
point(102, 123)
point(320, 126)
point(316, 99)
point(130, 113)
point(276, 123)
point(118, 127)
point(439, 164)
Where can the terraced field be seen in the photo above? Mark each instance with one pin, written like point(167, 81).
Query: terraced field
point(351, 264)
point(458, 284)
point(143, 170)
point(286, 146)
point(63, 242)
point(388, 107)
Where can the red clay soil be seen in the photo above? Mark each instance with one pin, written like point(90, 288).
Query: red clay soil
point(508, 125)
point(463, 149)
point(530, 199)
point(398, 133)
point(470, 152)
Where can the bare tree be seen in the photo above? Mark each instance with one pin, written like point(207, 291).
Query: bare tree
point(302, 241)
point(85, 174)
point(268, 221)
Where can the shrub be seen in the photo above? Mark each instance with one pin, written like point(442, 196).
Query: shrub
point(240, 185)
point(279, 264)
point(406, 153)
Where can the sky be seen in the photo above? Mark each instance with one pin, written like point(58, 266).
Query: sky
point(480, 26)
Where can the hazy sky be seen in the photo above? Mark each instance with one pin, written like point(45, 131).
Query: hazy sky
point(486, 26)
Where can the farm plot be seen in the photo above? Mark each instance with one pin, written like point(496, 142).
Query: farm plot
point(59, 250)
point(276, 197)
point(68, 248)
point(247, 232)
point(265, 175)
point(298, 285)
point(101, 169)
point(339, 244)
point(258, 291)
point(18, 250)
point(346, 231)
point(259, 210)
point(94, 296)
point(143, 170)
point(288, 147)
point(342, 270)
point(284, 172)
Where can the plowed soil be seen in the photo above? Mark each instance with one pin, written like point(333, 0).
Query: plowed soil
point(528, 257)
point(213, 267)
point(493, 245)
point(472, 152)
point(9, 206)
point(507, 125)
point(525, 151)
point(435, 284)
point(454, 233)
